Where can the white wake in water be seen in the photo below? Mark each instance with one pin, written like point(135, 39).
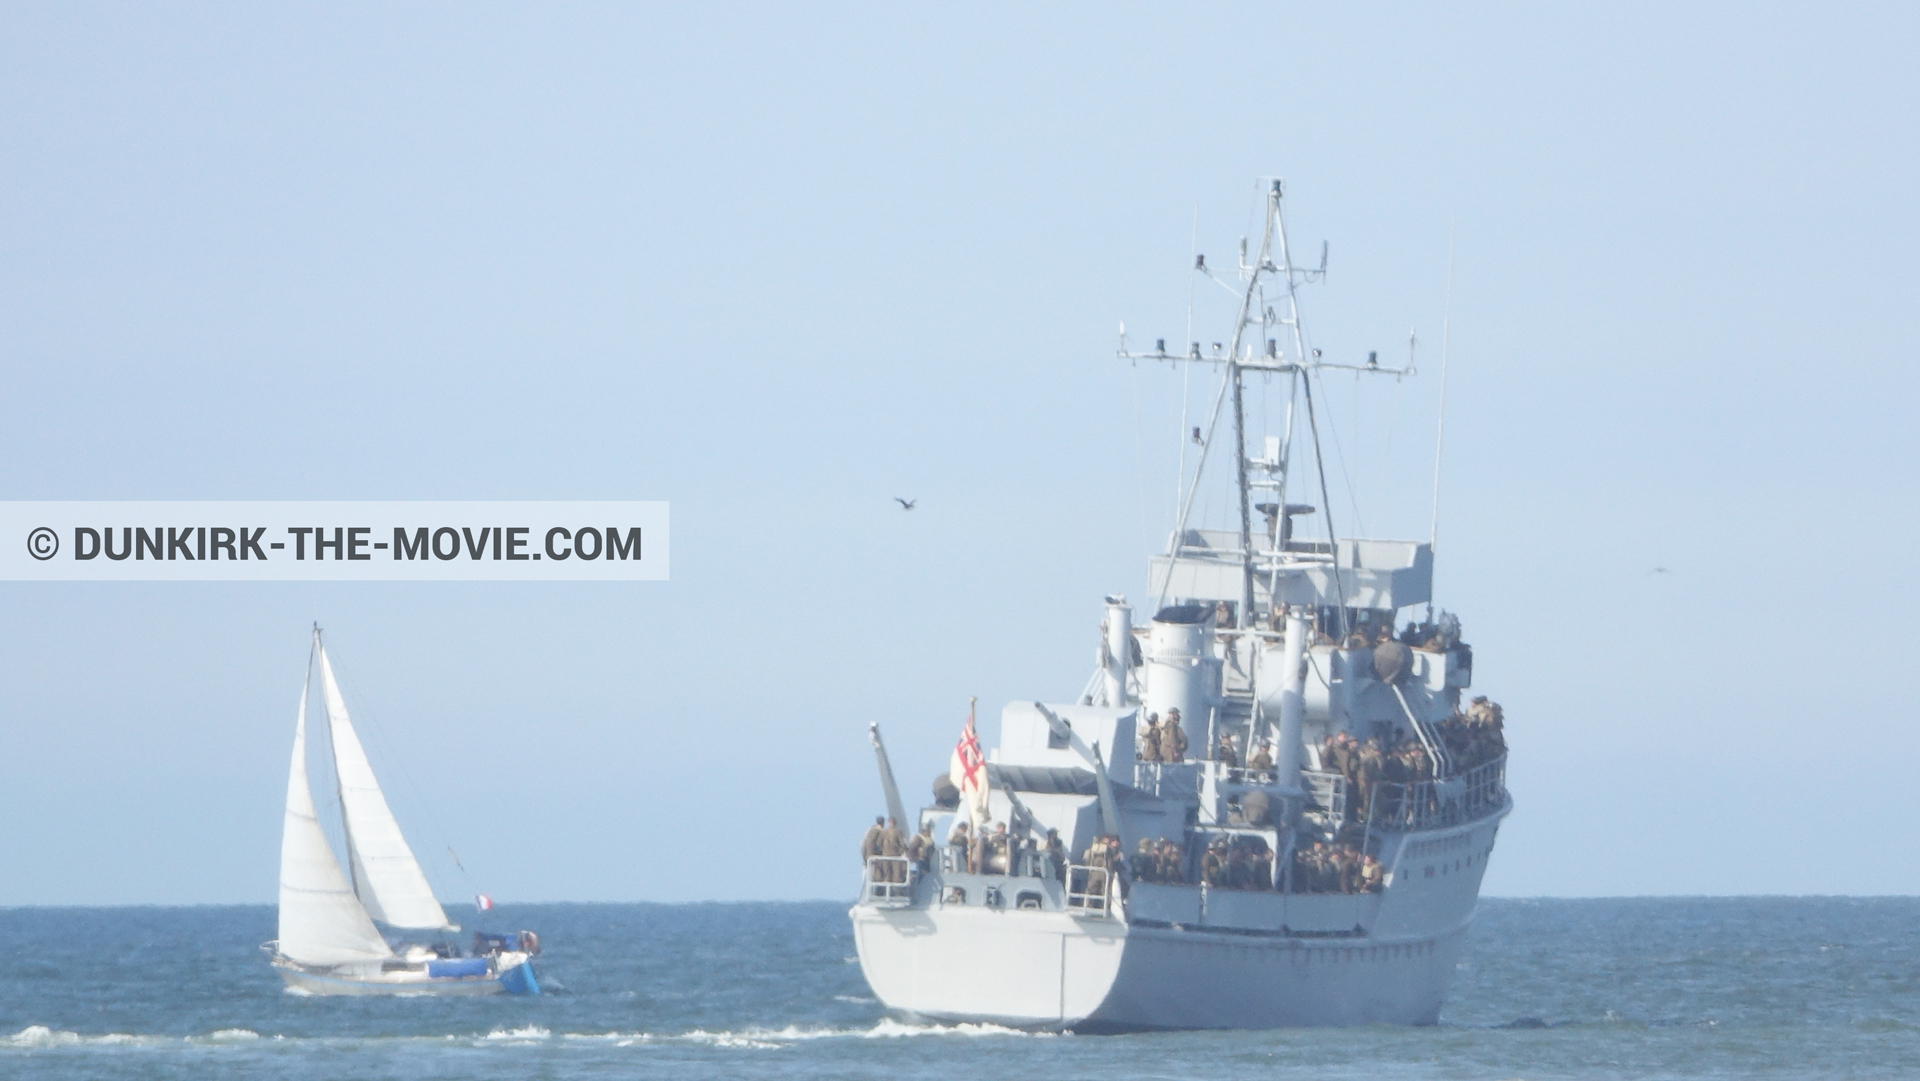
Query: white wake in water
point(40, 1038)
point(43, 1038)
point(763, 1038)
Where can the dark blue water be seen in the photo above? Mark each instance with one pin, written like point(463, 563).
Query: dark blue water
point(1747, 988)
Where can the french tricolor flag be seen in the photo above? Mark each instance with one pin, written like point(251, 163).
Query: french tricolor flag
point(483, 903)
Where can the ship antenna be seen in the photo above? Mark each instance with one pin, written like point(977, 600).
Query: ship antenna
point(1186, 378)
point(1274, 259)
point(1440, 433)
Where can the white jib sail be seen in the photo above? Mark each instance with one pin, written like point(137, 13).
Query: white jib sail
point(392, 885)
point(321, 922)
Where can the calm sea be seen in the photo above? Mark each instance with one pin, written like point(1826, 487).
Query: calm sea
point(1736, 988)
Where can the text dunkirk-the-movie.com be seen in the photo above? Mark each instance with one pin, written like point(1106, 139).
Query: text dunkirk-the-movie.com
point(333, 541)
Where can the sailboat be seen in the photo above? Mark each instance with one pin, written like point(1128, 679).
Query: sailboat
point(330, 942)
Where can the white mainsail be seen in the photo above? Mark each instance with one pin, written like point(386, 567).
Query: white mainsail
point(393, 888)
point(321, 922)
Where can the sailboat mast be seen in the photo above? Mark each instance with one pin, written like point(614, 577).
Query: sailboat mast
point(346, 826)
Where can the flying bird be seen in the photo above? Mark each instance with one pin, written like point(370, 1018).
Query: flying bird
point(1658, 570)
point(905, 504)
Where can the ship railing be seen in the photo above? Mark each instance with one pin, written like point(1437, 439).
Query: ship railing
point(889, 881)
point(1255, 778)
point(1327, 790)
point(1089, 889)
point(1443, 802)
point(1026, 863)
point(1168, 780)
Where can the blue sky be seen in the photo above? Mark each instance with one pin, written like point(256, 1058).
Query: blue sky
point(780, 265)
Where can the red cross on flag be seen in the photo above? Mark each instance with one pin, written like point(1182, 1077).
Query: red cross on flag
point(968, 772)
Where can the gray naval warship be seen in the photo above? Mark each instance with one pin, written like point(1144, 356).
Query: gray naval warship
point(1272, 805)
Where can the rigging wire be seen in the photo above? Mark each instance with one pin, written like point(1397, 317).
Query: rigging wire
point(1339, 456)
point(1393, 424)
point(1333, 538)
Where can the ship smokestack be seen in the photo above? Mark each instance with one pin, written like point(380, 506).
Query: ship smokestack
point(1286, 756)
point(1118, 654)
point(1182, 672)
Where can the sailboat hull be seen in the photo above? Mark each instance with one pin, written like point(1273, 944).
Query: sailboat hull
point(516, 979)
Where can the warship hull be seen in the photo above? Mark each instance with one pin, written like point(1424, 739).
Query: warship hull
point(1278, 960)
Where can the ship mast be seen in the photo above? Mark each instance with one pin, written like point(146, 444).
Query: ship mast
point(1240, 359)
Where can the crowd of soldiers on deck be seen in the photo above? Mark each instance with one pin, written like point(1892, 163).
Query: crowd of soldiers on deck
point(1366, 763)
point(1471, 739)
point(1242, 862)
point(1239, 862)
point(1156, 859)
point(1476, 736)
point(991, 850)
point(1229, 862)
point(1336, 868)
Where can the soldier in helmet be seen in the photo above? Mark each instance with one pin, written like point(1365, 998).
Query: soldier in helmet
point(1173, 738)
point(977, 851)
point(1150, 739)
point(1263, 758)
point(1057, 855)
point(958, 844)
point(1262, 865)
point(1319, 863)
point(870, 844)
point(920, 847)
point(1224, 752)
point(1238, 876)
point(1096, 853)
point(893, 845)
point(1213, 865)
point(1368, 765)
point(1347, 866)
point(1170, 856)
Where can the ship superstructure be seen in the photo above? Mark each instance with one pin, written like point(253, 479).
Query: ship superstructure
point(1306, 850)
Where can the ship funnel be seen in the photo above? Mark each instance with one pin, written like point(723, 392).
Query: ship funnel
point(1293, 651)
point(1182, 672)
point(1116, 649)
